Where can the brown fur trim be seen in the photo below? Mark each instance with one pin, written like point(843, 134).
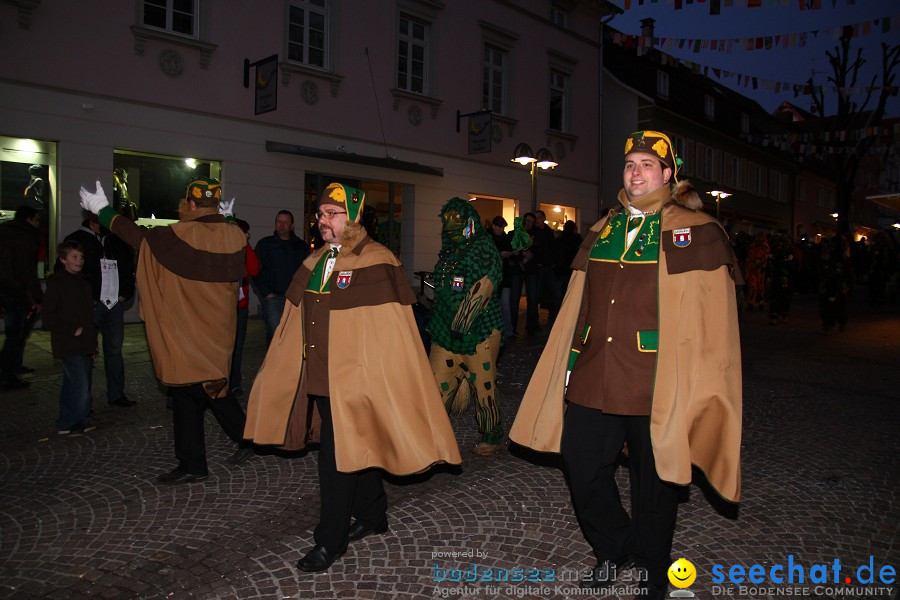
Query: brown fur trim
point(352, 234)
point(684, 194)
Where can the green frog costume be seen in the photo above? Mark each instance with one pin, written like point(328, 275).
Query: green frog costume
point(465, 327)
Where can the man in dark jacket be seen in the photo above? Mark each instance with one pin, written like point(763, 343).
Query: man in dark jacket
point(280, 255)
point(20, 290)
point(109, 268)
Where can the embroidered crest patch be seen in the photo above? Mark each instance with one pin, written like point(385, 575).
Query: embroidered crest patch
point(682, 237)
point(343, 279)
point(458, 283)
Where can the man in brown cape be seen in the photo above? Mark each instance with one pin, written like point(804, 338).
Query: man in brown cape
point(645, 352)
point(347, 367)
point(187, 277)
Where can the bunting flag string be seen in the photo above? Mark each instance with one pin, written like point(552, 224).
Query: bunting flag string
point(769, 42)
point(748, 81)
point(823, 143)
point(716, 5)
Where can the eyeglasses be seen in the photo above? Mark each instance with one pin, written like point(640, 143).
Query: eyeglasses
point(329, 214)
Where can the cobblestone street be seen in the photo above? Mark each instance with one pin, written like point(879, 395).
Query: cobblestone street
point(83, 517)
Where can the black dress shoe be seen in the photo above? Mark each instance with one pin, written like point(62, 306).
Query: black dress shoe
point(358, 531)
point(319, 559)
point(122, 402)
point(14, 383)
point(241, 455)
point(652, 591)
point(176, 476)
point(606, 572)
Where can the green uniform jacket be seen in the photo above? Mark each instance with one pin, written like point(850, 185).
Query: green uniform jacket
point(695, 415)
point(385, 403)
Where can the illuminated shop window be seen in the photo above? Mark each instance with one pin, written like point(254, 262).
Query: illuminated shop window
point(150, 186)
point(28, 178)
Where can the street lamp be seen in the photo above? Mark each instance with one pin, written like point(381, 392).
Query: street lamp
point(718, 195)
point(543, 159)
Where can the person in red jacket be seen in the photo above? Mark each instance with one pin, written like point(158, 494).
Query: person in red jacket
point(251, 264)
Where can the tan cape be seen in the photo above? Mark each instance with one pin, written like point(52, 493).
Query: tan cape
point(695, 413)
point(385, 403)
point(187, 277)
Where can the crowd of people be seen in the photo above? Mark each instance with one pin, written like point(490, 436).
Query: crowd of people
point(776, 268)
point(642, 359)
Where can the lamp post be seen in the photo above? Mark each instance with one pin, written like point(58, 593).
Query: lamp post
point(718, 195)
point(543, 159)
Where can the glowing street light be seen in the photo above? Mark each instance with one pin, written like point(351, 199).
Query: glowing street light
point(543, 159)
point(718, 195)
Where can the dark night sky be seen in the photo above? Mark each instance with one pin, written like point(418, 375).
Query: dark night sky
point(773, 17)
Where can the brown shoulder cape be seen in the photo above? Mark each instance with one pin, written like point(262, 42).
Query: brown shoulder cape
point(385, 402)
point(187, 278)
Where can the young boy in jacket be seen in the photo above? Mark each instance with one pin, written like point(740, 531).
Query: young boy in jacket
point(68, 313)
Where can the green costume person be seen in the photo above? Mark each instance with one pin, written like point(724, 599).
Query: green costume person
point(465, 327)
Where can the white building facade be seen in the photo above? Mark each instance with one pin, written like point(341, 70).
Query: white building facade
point(367, 93)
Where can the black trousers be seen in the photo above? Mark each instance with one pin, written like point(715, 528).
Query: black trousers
point(591, 442)
point(343, 495)
point(189, 403)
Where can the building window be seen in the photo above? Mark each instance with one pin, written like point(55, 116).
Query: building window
point(412, 55)
point(308, 33)
point(745, 123)
point(752, 178)
point(494, 83)
point(559, 100)
point(174, 16)
point(558, 15)
point(709, 107)
point(761, 176)
point(662, 84)
point(734, 171)
point(152, 185)
point(709, 164)
point(776, 191)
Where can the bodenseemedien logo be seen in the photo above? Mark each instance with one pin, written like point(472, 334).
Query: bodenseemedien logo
point(682, 574)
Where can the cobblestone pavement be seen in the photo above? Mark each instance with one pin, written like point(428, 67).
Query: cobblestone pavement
point(82, 517)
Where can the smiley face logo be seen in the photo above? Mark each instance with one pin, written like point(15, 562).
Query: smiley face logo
point(682, 573)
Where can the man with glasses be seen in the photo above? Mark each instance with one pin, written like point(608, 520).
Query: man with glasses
point(347, 368)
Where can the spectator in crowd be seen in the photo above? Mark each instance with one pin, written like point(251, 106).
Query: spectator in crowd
point(251, 265)
point(545, 256)
point(280, 255)
point(567, 247)
point(523, 274)
point(187, 278)
point(348, 370)
point(69, 315)
point(883, 268)
point(782, 273)
point(835, 282)
point(109, 269)
point(20, 291)
point(504, 247)
point(755, 271)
